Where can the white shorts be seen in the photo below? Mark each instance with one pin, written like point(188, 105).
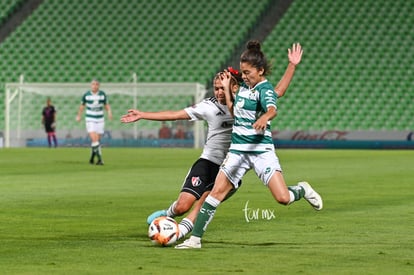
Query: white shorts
point(94, 126)
point(235, 166)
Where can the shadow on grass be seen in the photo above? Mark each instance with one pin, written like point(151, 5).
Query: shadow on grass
point(250, 244)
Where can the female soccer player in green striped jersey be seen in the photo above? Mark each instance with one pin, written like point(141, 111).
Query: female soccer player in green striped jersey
point(251, 144)
point(95, 102)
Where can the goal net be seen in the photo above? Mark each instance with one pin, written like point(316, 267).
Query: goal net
point(24, 103)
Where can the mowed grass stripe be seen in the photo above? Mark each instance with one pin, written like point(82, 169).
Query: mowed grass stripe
point(60, 215)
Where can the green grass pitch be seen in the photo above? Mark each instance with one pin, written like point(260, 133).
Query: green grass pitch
point(60, 215)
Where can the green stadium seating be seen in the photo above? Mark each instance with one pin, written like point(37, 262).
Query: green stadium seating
point(356, 71)
point(7, 8)
point(74, 41)
point(355, 54)
point(58, 21)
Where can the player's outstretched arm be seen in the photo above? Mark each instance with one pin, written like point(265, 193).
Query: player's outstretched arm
point(294, 56)
point(135, 115)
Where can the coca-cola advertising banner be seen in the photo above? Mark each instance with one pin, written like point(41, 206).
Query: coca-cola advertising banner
point(344, 139)
point(344, 135)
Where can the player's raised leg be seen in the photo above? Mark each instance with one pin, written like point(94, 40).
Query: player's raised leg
point(311, 195)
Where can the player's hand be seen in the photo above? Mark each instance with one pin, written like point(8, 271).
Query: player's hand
point(78, 118)
point(225, 77)
point(132, 116)
point(295, 54)
point(260, 125)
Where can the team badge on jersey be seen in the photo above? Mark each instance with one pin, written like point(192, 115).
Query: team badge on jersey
point(195, 181)
point(240, 103)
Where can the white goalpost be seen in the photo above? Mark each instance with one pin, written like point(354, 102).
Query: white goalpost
point(24, 103)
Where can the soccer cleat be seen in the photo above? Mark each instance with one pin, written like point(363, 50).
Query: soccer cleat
point(188, 244)
point(311, 196)
point(156, 214)
point(99, 162)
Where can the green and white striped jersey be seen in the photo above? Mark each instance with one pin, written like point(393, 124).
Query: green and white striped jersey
point(249, 105)
point(94, 105)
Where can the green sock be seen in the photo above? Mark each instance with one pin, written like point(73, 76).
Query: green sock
point(97, 151)
point(297, 191)
point(92, 154)
point(204, 217)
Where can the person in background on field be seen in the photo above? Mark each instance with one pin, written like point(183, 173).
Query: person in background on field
point(179, 131)
point(95, 101)
point(200, 178)
point(164, 132)
point(49, 122)
point(251, 144)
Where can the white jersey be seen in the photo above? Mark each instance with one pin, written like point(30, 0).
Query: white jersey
point(220, 123)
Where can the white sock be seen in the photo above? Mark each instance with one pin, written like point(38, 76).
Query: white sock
point(170, 210)
point(212, 201)
point(185, 227)
point(292, 197)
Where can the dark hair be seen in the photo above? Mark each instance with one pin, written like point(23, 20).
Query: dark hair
point(255, 57)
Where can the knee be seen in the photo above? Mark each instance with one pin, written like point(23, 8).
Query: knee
point(283, 199)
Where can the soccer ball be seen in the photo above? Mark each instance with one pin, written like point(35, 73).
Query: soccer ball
point(163, 231)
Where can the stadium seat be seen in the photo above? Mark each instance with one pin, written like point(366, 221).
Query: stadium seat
point(358, 61)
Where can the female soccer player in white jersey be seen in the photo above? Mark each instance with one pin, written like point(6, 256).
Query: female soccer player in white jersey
point(251, 144)
point(200, 178)
point(96, 102)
